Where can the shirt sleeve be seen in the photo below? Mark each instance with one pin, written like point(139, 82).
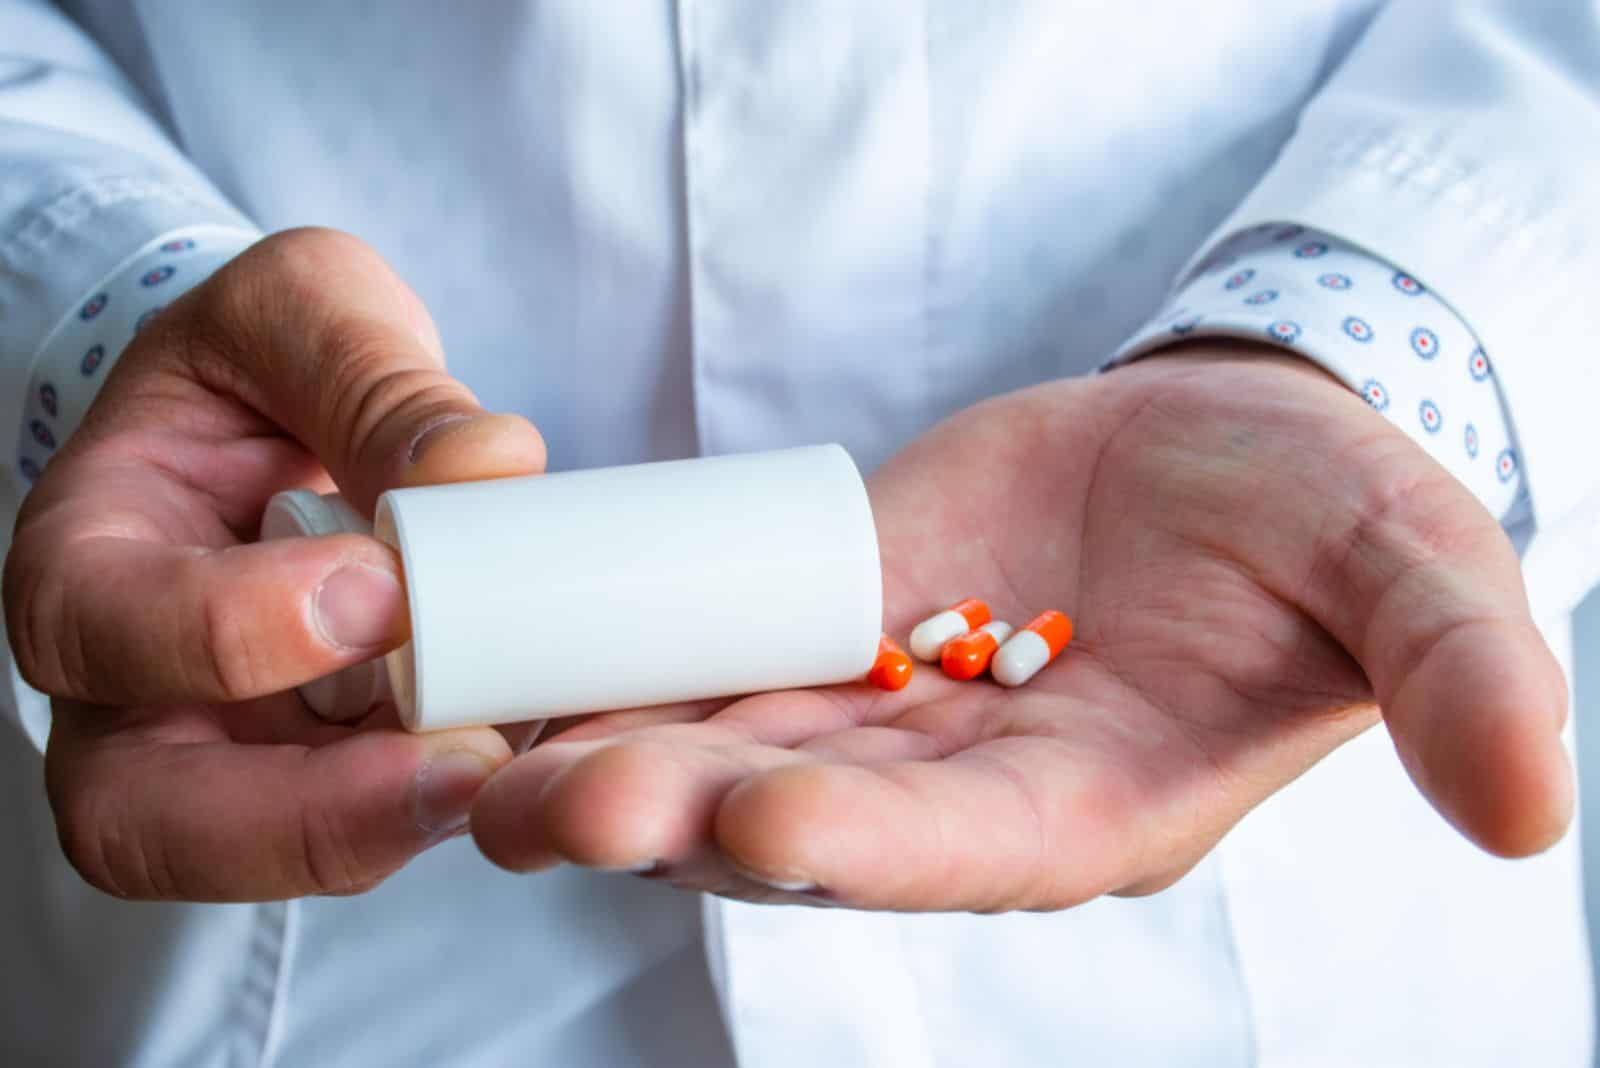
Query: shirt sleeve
point(78, 353)
point(89, 181)
point(1369, 324)
point(1459, 138)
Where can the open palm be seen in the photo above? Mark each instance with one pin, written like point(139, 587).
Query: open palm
point(1256, 563)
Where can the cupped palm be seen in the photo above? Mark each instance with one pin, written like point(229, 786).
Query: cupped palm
point(1255, 561)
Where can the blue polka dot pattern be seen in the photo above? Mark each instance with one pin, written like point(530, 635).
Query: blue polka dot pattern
point(1432, 419)
point(88, 339)
point(92, 359)
point(1285, 331)
point(1334, 280)
point(1265, 296)
point(1357, 328)
point(1376, 395)
point(1407, 285)
point(1478, 365)
point(1470, 441)
point(1505, 464)
point(1424, 343)
point(1311, 250)
point(1238, 279)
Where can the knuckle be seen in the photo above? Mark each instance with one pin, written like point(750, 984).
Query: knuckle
point(19, 588)
point(228, 664)
point(86, 841)
point(1406, 512)
point(313, 250)
point(81, 846)
point(36, 624)
point(1407, 557)
point(367, 391)
point(329, 858)
point(1392, 522)
point(228, 301)
point(241, 311)
point(595, 813)
point(110, 843)
point(293, 268)
point(1398, 514)
point(358, 356)
point(306, 255)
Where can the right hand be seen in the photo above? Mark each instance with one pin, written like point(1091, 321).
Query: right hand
point(181, 764)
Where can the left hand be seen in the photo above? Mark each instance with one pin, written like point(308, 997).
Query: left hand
point(1257, 564)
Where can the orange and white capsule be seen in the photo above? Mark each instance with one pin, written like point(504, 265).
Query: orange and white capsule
point(892, 670)
point(929, 636)
point(1031, 648)
point(968, 656)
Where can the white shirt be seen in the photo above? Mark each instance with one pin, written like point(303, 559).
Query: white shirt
point(714, 226)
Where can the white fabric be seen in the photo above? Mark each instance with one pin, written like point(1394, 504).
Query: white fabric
point(715, 225)
point(1373, 326)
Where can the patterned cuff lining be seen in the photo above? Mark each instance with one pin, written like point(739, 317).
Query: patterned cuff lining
point(1374, 327)
point(80, 351)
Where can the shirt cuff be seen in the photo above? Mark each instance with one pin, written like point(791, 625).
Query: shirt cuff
point(79, 351)
point(76, 355)
point(1372, 326)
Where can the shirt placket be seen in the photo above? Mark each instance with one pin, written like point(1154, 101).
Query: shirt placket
point(806, 155)
point(805, 184)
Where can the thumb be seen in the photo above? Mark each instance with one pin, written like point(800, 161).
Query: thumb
point(1430, 601)
point(277, 821)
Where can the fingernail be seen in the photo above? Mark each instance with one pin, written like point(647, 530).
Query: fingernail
point(431, 434)
point(795, 886)
point(788, 886)
point(445, 788)
point(531, 733)
point(359, 607)
point(646, 868)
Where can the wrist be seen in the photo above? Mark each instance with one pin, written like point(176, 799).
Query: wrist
point(1384, 334)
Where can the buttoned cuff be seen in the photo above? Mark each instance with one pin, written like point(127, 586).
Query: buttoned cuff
point(1369, 324)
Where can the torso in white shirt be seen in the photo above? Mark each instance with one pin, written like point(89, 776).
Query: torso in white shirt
point(716, 226)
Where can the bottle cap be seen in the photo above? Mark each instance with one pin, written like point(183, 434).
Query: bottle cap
point(351, 693)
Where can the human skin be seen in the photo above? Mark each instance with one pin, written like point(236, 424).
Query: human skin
point(1257, 563)
point(177, 766)
point(1244, 545)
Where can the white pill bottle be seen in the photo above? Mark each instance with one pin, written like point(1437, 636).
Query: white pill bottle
point(623, 587)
